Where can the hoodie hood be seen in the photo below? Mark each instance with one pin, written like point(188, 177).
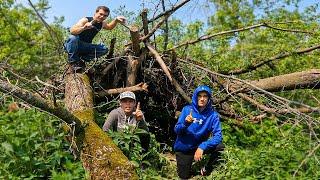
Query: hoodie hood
point(194, 103)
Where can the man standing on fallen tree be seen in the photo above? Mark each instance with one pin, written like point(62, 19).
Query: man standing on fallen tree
point(79, 45)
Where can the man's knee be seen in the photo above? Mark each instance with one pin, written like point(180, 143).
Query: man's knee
point(102, 49)
point(219, 147)
point(72, 40)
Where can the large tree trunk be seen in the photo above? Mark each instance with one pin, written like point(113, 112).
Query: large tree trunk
point(100, 156)
point(306, 79)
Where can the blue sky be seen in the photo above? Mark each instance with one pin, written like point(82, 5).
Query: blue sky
point(73, 10)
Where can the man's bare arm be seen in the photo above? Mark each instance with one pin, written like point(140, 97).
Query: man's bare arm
point(113, 23)
point(81, 25)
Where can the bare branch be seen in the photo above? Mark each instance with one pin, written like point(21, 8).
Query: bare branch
point(144, 17)
point(279, 56)
point(166, 71)
point(166, 29)
point(276, 111)
point(170, 11)
point(138, 87)
point(53, 35)
point(156, 27)
point(40, 103)
point(252, 86)
point(288, 30)
point(207, 37)
point(304, 161)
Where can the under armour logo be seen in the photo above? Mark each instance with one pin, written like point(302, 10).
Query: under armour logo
point(197, 121)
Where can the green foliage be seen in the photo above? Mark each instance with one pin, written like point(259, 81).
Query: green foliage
point(149, 164)
point(33, 146)
point(267, 151)
point(26, 43)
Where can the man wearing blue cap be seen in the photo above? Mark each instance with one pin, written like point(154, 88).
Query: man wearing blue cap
point(196, 123)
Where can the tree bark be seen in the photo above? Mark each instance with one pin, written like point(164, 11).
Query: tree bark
point(99, 155)
point(299, 80)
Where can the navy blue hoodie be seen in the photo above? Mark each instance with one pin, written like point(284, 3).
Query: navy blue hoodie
point(191, 136)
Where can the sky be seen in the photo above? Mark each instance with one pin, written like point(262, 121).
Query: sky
point(73, 10)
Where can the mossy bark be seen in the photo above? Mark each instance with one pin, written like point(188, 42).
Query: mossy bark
point(100, 156)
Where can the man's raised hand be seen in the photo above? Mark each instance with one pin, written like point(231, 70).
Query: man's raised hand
point(138, 113)
point(88, 25)
point(121, 19)
point(189, 118)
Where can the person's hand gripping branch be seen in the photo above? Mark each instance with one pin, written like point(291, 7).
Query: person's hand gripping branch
point(138, 113)
point(89, 25)
point(189, 118)
point(121, 19)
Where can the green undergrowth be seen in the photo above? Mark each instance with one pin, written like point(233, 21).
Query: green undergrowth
point(33, 147)
point(268, 150)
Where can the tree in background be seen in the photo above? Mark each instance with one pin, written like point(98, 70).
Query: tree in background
point(260, 57)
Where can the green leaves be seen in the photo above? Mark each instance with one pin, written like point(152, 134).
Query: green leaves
point(266, 151)
point(149, 163)
point(7, 147)
point(33, 146)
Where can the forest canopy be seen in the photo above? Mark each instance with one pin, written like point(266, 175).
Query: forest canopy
point(261, 58)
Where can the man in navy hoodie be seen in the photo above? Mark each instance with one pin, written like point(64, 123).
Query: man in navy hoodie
point(195, 124)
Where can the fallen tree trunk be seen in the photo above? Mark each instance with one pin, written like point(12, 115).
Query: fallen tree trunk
point(299, 80)
point(99, 155)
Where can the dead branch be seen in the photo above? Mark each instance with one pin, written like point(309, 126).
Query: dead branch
point(170, 11)
point(288, 30)
point(166, 71)
point(207, 37)
point(276, 111)
point(166, 28)
point(138, 87)
point(156, 27)
point(46, 84)
point(314, 150)
point(279, 56)
point(144, 16)
point(111, 51)
point(40, 103)
point(253, 87)
point(52, 33)
point(134, 32)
